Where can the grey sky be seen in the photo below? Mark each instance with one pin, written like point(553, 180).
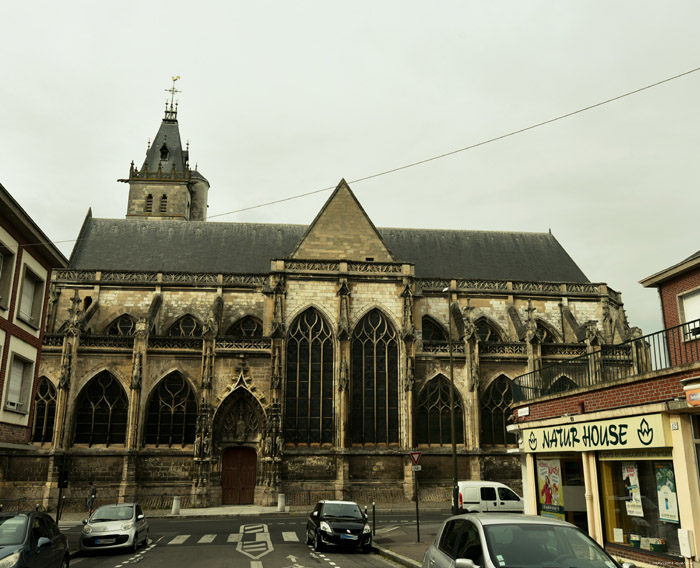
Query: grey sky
point(282, 98)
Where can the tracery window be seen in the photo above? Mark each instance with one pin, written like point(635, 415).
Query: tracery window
point(123, 325)
point(433, 420)
point(486, 331)
point(495, 413)
point(544, 334)
point(246, 327)
point(186, 326)
point(44, 412)
point(171, 417)
point(374, 392)
point(101, 412)
point(433, 333)
point(309, 381)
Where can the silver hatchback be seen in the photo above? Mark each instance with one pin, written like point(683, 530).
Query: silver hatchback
point(122, 525)
point(508, 540)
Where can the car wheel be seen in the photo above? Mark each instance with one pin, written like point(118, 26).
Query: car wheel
point(66, 562)
point(308, 538)
point(318, 545)
point(135, 545)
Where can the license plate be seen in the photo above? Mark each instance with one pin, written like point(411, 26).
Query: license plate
point(348, 537)
point(104, 541)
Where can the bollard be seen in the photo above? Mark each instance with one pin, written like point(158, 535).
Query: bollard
point(36, 507)
point(176, 506)
point(281, 502)
point(374, 520)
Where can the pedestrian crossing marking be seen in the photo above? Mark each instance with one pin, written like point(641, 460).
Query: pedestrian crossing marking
point(234, 537)
point(206, 538)
point(179, 539)
point(290, 537)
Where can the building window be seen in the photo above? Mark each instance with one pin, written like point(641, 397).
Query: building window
point(149, 203)
point(31, 297)
point(544, 334)
point(164, 152)
point(640, 504)
point(172, 413)
point(246, 327)
point(495, 413)
point(374, 392)
point(6, 264)
point(19, 386)
point(101, 412)
point(44, 412)
point(486, 331)
point(186, 326)
point(164, 203)
point(309, 381)
point(434, 426)
point(123, 325)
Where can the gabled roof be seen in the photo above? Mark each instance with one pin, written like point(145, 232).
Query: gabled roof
point(690, 263)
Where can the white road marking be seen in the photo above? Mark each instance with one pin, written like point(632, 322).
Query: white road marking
point(290, 537)
point(234, 537)
point(206, 539)
point(179, 539)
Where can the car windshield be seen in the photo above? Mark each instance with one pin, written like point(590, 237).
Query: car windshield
point(543, 546)
point(349, 510)
point(112, 513)
point(12, 530)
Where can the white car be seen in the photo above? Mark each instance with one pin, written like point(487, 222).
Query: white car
point(122, 525)
point(509, 540)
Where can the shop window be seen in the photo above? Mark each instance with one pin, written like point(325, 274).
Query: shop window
point(433, 423)
point(44, 412)
point(640, 504)
point(31, 297)
point(172, 413)
point(6, 264)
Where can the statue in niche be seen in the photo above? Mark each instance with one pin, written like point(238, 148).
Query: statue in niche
point(240, 428)
point(344, 379)
point(64, 381)
point(410, 378)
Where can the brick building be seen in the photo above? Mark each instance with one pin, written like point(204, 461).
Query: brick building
point(26, 260)
point(231, 362)
point(611, 440)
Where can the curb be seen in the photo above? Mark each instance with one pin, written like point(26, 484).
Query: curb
point(398, 558)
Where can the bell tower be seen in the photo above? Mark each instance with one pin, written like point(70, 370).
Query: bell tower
point(165, 187)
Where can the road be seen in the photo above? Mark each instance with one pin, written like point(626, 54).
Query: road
point(244, 542)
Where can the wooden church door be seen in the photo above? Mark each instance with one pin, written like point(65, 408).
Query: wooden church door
point(238, 469)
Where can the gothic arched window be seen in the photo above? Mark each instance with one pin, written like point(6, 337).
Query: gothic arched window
point(186, 326)
point(123, 325)
point(149, 203)
point(171, 416)
point(44, 412)
point(308, 395)
point(433, 333)
point(544, 334)
point(487, 331)
point(246, 327)
point(495, 413)
point(433, 420)
point(374, 392)
point(101, 412)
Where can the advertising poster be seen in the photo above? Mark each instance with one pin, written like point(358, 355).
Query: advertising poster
point(550, 495)
point(633, 498)
point(666, 491)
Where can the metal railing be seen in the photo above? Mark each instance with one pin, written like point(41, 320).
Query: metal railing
point(664, 349)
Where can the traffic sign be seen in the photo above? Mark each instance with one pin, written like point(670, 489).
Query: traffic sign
point(416, 467)
point(415, 456)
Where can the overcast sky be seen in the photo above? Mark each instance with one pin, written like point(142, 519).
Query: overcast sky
point(283, 98)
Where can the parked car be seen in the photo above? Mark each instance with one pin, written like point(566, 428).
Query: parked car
point(488, 496)
point(338, 523)
point(496, 540)
point(121, 525)
point(32, 539)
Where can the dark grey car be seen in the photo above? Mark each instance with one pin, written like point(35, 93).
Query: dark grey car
point(338, 523)
point(508, 540)
point(32, 539)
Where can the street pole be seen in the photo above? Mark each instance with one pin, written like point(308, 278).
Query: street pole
point(455, 485)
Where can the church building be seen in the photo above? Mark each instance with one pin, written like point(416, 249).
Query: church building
point(229, 363)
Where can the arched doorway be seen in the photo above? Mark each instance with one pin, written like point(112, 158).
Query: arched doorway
point(238, 468)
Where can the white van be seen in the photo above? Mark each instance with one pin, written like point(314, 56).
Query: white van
point(488, 496)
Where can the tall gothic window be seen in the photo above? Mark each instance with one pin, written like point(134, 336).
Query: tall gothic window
point(433, 420)
point(44, 412)
point(308, 397)
point(246, 327)
point(186, 326)
point(374, 392)
point(487, 331)
point(101, 412)
point(123, 325)
point(495, 413)
point(172, 413)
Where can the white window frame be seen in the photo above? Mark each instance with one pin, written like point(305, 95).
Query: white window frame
point(7, 261)
point(20, 370)
point(32, 290)
point(689, 310)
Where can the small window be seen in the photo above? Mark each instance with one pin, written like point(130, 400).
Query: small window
point(164, 203)
point(123, 325)
point(149, 203)
point(31, 298)
point(19, 386)
point(164, 152)
point(186, 326)
point(690, 306)
point(6, 258)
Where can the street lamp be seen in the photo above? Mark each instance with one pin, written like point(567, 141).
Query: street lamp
point(455, 485)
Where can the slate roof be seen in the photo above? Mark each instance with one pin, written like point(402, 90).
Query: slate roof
point(205, 246)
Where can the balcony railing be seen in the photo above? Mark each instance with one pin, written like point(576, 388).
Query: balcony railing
point(654, 352)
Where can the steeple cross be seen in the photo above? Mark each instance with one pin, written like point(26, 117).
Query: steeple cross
point(172, 90)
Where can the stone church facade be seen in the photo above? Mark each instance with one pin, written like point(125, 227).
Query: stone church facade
point(230, 362)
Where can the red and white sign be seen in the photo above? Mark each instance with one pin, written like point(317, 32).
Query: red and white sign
point(415, 456)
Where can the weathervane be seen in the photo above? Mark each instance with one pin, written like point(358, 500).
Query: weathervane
point(172, 90)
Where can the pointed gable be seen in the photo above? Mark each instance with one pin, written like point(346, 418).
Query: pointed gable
point(342, 230)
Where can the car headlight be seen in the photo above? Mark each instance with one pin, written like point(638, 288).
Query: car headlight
point(366, 529)
point(127, 526)
point(9, 561)
point(87, 529)
point(325, 527)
